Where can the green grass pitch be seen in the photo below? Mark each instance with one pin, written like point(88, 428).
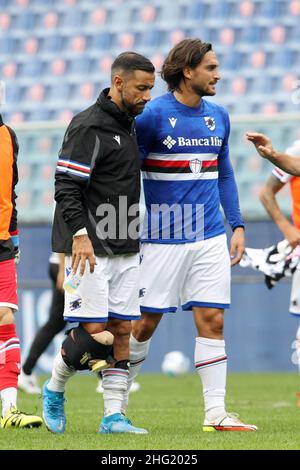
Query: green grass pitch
point(172, 410)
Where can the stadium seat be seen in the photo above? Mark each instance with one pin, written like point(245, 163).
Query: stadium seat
point(52, 43)
point(9, 70)
point(247, 8)
point(278, 34)
point(50, 20)
point(101, 42)
point(32, 67)
point(294, 8)
point(57, 67)
point(72, 18)
point(31, 46)
point(196, 11)
point(98, 17)
point(26, 21)
point(5, 21)
point(77, 44)
point(79, 66)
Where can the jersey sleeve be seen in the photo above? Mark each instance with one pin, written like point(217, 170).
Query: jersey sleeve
point(73, 171)
point(145, 130)
point(227, 185)
point(293, 151)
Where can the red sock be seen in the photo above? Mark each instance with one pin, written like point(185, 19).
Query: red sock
point(10, 357)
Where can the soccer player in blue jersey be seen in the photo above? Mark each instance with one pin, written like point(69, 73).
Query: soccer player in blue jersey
point(183, 141)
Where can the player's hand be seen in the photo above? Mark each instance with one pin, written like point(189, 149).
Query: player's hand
point(17, 253)
point(237, 245)
point(82, 251)
point(292, 235)
point(262, 144)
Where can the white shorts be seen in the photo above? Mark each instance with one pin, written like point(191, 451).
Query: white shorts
point(196, 273)
point(295, 294)
point(111, 291)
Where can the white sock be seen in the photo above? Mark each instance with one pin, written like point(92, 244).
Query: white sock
point(298, 346)
point(60, 374)
point(114, 383)
point(8, 398)
point(211, 365)
point(138, 353)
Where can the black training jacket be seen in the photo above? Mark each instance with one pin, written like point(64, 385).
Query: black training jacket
point(98, 163)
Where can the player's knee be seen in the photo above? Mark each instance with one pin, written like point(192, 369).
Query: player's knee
point(81, 350)
point(6, 316)
point(217, 324)
point(93, 328)
point(120, 328)
point(144, 328)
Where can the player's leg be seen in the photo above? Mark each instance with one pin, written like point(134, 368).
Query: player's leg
point(206, 291)
point(295, 311)
point(161, 269)
point(83, 349)
point(44, 336)
point(139, 344)
point(123, 308)
point(10, 357)
point(115, 382)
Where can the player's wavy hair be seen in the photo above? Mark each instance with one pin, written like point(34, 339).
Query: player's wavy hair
point(187, 53)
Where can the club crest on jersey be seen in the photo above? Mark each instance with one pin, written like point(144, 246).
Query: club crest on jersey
point(195, 166)
point(210, 123)
point(173, 122)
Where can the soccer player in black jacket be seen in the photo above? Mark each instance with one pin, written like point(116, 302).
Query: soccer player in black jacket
point(96, 226)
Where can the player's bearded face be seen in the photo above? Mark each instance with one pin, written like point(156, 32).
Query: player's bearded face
point(136, 91)
point(206, 75)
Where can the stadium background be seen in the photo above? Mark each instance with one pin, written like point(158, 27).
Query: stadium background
point(55, 57)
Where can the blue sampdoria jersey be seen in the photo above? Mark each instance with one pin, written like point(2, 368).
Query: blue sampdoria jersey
point(186, 171)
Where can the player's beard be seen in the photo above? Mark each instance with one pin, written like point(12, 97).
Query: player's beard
point(201, 92)
point(132, 109)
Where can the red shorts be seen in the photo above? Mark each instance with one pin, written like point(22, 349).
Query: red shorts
point(8, 284)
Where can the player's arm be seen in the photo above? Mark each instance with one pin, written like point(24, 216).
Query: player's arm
point(264, 147)
point(61, 272)
point(6, 182)
point(267, 197)
point(72, 177)
point(145, 131)
point(230, 201)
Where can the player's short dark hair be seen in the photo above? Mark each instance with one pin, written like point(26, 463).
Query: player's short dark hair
point(130, 62)
point(187, 53)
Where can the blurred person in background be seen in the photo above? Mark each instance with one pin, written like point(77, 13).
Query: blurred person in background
point(27, 380)
point(290, 231)
point(10, 354)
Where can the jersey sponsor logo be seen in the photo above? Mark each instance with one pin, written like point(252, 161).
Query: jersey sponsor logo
point(195, 166)
point(173, 121)
point(180, 141)
point(210, 123)
point(117, 139)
